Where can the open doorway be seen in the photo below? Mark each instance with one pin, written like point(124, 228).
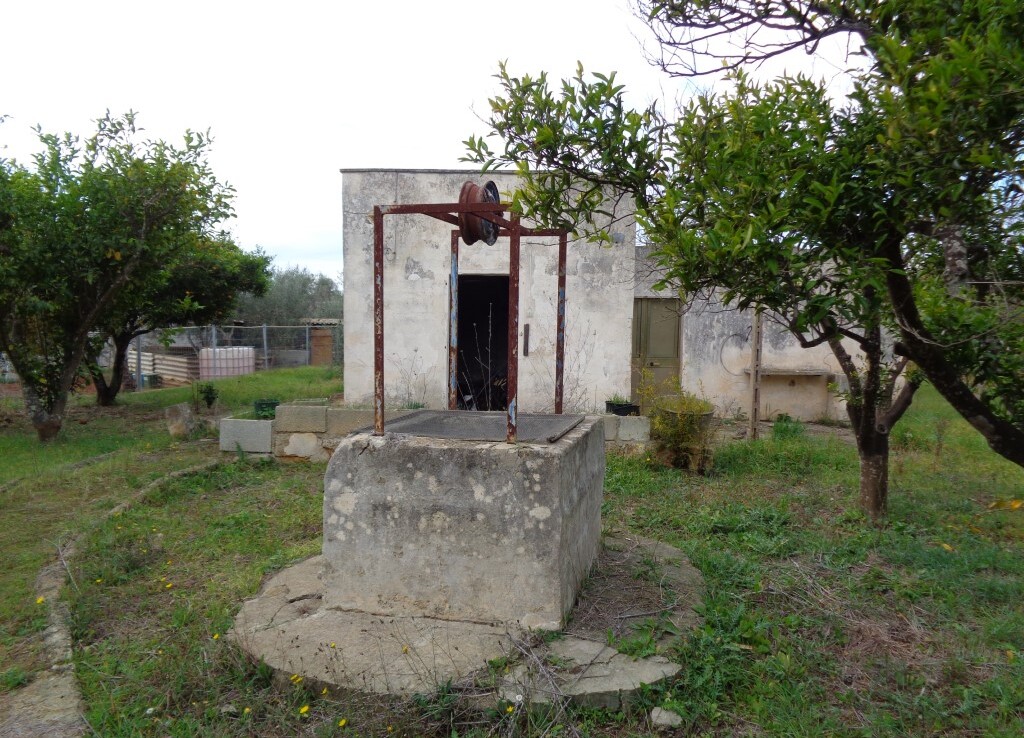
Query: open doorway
point(483, 342)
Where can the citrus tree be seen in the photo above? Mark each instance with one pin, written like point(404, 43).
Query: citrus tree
point(895, 212)
point(86, 224)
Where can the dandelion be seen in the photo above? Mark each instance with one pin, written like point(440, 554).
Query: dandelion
point(168, 585)
point(342, 723)
point(216, 636)
point(510, 709)
point(332, 644)
point(40, 600)
point(246, 711)
point(304, 709)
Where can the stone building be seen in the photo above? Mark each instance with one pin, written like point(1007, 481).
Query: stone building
point(615, 323)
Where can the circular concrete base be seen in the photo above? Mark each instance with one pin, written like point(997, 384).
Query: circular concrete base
point(288, 627)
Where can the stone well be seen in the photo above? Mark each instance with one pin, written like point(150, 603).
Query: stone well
point(439, 518)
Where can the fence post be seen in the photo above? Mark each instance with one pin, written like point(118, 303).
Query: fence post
point(309, 349)
point(266, 361)
point(213, 351)
point(138, 363)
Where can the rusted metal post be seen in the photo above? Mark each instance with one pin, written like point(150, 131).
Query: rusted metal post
point(512, 385)
point(560, 325)
point(378, 322)
point(453, 326)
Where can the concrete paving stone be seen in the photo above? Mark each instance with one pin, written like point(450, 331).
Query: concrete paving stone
point(662, 718)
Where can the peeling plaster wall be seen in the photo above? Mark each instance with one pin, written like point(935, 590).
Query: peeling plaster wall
point(599, 289)
point(716, 347)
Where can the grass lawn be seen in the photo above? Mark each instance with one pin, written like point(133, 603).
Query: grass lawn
point(815, 622)
point(103, 456)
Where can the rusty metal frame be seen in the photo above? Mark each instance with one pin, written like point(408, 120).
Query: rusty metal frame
point(508, 228)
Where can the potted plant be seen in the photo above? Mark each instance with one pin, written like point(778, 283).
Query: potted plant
point(619, 405)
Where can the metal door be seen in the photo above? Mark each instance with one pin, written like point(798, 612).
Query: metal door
point(656, 323)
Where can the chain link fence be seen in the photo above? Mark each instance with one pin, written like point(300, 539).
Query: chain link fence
point(195, 353)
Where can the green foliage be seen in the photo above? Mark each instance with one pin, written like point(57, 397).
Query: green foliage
point(12, 678)
point(208, 392)
point(682, 425)
point(900, 208)
point(785, 428)
point(87, 225)
point(292, 295)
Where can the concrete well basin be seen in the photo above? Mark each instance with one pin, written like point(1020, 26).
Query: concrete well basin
point(461, 528)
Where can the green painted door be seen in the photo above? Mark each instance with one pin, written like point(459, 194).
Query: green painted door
point(656, 323)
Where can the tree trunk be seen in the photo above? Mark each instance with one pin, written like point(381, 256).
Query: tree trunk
point(874, 475)
point(46, 422)
point(1002, 436)
point(106, 393)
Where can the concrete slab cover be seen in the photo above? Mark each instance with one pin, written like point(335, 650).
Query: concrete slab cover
point(469, 425)
point(462, 530)
point(289, 626)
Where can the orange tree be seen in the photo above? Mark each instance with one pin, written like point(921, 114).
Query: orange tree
point(896, 212)
point(85, 226)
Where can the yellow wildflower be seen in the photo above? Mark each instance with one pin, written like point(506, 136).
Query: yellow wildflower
point(246, 711)
point(304, 709)
point(168, 585)
point(216, 636)
point(323, 691)
point(40, 600)
point(509, 709)
point(342, 723)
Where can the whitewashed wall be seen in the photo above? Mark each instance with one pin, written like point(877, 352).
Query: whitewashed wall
point(599, 288)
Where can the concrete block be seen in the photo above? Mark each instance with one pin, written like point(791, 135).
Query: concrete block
point(611, 427)
point(469, 530)
point(301, 419)
point(342, 421)
point(635, 429)
point(252, 436)
point(299, 445)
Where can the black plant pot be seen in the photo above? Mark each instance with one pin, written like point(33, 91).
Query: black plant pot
point(621, 408)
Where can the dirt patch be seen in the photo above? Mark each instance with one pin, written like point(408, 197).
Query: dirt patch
point(635, 580)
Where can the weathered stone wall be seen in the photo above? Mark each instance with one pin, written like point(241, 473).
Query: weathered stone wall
point(488, 532)
point(716, 347)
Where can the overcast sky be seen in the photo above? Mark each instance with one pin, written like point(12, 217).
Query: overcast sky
point(293, 92)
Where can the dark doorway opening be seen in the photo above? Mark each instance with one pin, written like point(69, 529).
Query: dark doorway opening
point(483, 342)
